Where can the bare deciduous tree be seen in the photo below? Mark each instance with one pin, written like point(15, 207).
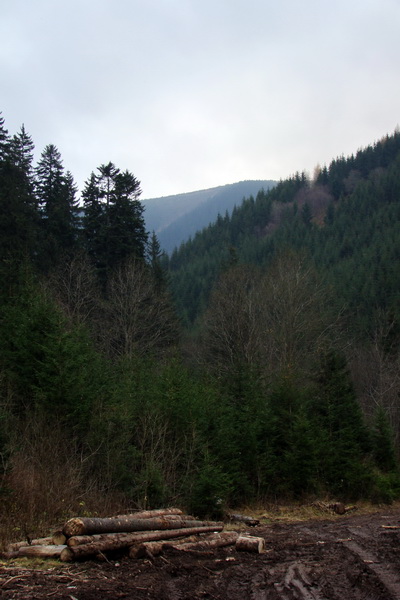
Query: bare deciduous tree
point(297, 317)
point(376, 376)
point(140, 318)
point(231, 323)
point(74, 286)
point(279, 319)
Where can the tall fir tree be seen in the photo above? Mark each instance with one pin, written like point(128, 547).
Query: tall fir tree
point(93, 221)
point(19, 219)
point(113, 223)
point(343, 442)
point(21, 151)
point(56, 193)
point(127, 235)
point(155, 257)
point(4, 140)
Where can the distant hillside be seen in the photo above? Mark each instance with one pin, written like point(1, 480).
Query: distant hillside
point(176, 218)
point(347, 220)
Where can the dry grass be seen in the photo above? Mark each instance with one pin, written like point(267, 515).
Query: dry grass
point(296, 512)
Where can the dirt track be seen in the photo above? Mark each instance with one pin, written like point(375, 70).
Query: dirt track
point(351, 558)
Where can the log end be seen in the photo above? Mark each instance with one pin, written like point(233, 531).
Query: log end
point(74, 527)
point(66, 555)
point(58, 538)
point(250, 544)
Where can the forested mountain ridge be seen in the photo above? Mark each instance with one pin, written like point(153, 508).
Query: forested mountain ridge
point(286, 387)
point(175, 218)
point(346, 219)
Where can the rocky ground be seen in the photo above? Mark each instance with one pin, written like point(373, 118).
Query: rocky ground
point(354, 557)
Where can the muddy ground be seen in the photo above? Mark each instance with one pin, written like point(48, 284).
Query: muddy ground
point(354, 557)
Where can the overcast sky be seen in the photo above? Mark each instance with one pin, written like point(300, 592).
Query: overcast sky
point(190, 94)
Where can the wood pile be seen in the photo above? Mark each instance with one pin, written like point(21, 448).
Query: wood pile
point(337, 507)
point(145, 533)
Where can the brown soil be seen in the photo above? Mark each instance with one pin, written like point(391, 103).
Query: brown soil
point(351, 557)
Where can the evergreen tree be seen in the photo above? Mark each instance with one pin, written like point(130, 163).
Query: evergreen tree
point(106, 181)
point(93, 221)
point(21, 151)
point(126, 233)
point(19, 219)
point(113, 223)
point(383, 446)
point(4, 140)
point(289, 455)
point(56, 193)
point(155, 257)
point(343, 442)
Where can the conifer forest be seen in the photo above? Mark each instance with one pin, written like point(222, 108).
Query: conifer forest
point(259, 361)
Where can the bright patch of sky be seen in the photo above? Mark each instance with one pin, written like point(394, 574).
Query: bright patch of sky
point(192, 94)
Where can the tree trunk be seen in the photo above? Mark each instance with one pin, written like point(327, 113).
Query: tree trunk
point(226, 538)
point(250, 544)
point(337, 507)
point(155, 548)
point(149, 514)
point(243, 519)
point(42, 551)
point(117, 541)
point(14, 547)
point(87, 526)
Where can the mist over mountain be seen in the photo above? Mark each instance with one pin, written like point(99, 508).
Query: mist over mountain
point(176, 218)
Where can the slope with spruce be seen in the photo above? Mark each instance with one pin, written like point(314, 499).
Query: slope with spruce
point(175, 218)
point(346, 219)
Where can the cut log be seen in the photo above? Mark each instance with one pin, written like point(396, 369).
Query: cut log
point(337, 507)
point(88, 526)
point(149, 514)
point(250, 544)
point(155, 548)
point(217, 540)
point(14, 547)
point(243, 519)
point(42, 551)
point(58, 538)
point(190, 543)
point(80, 540)
point(9, 555)
point(118, 541)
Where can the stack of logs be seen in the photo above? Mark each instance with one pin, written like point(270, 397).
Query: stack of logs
point(140, 534)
